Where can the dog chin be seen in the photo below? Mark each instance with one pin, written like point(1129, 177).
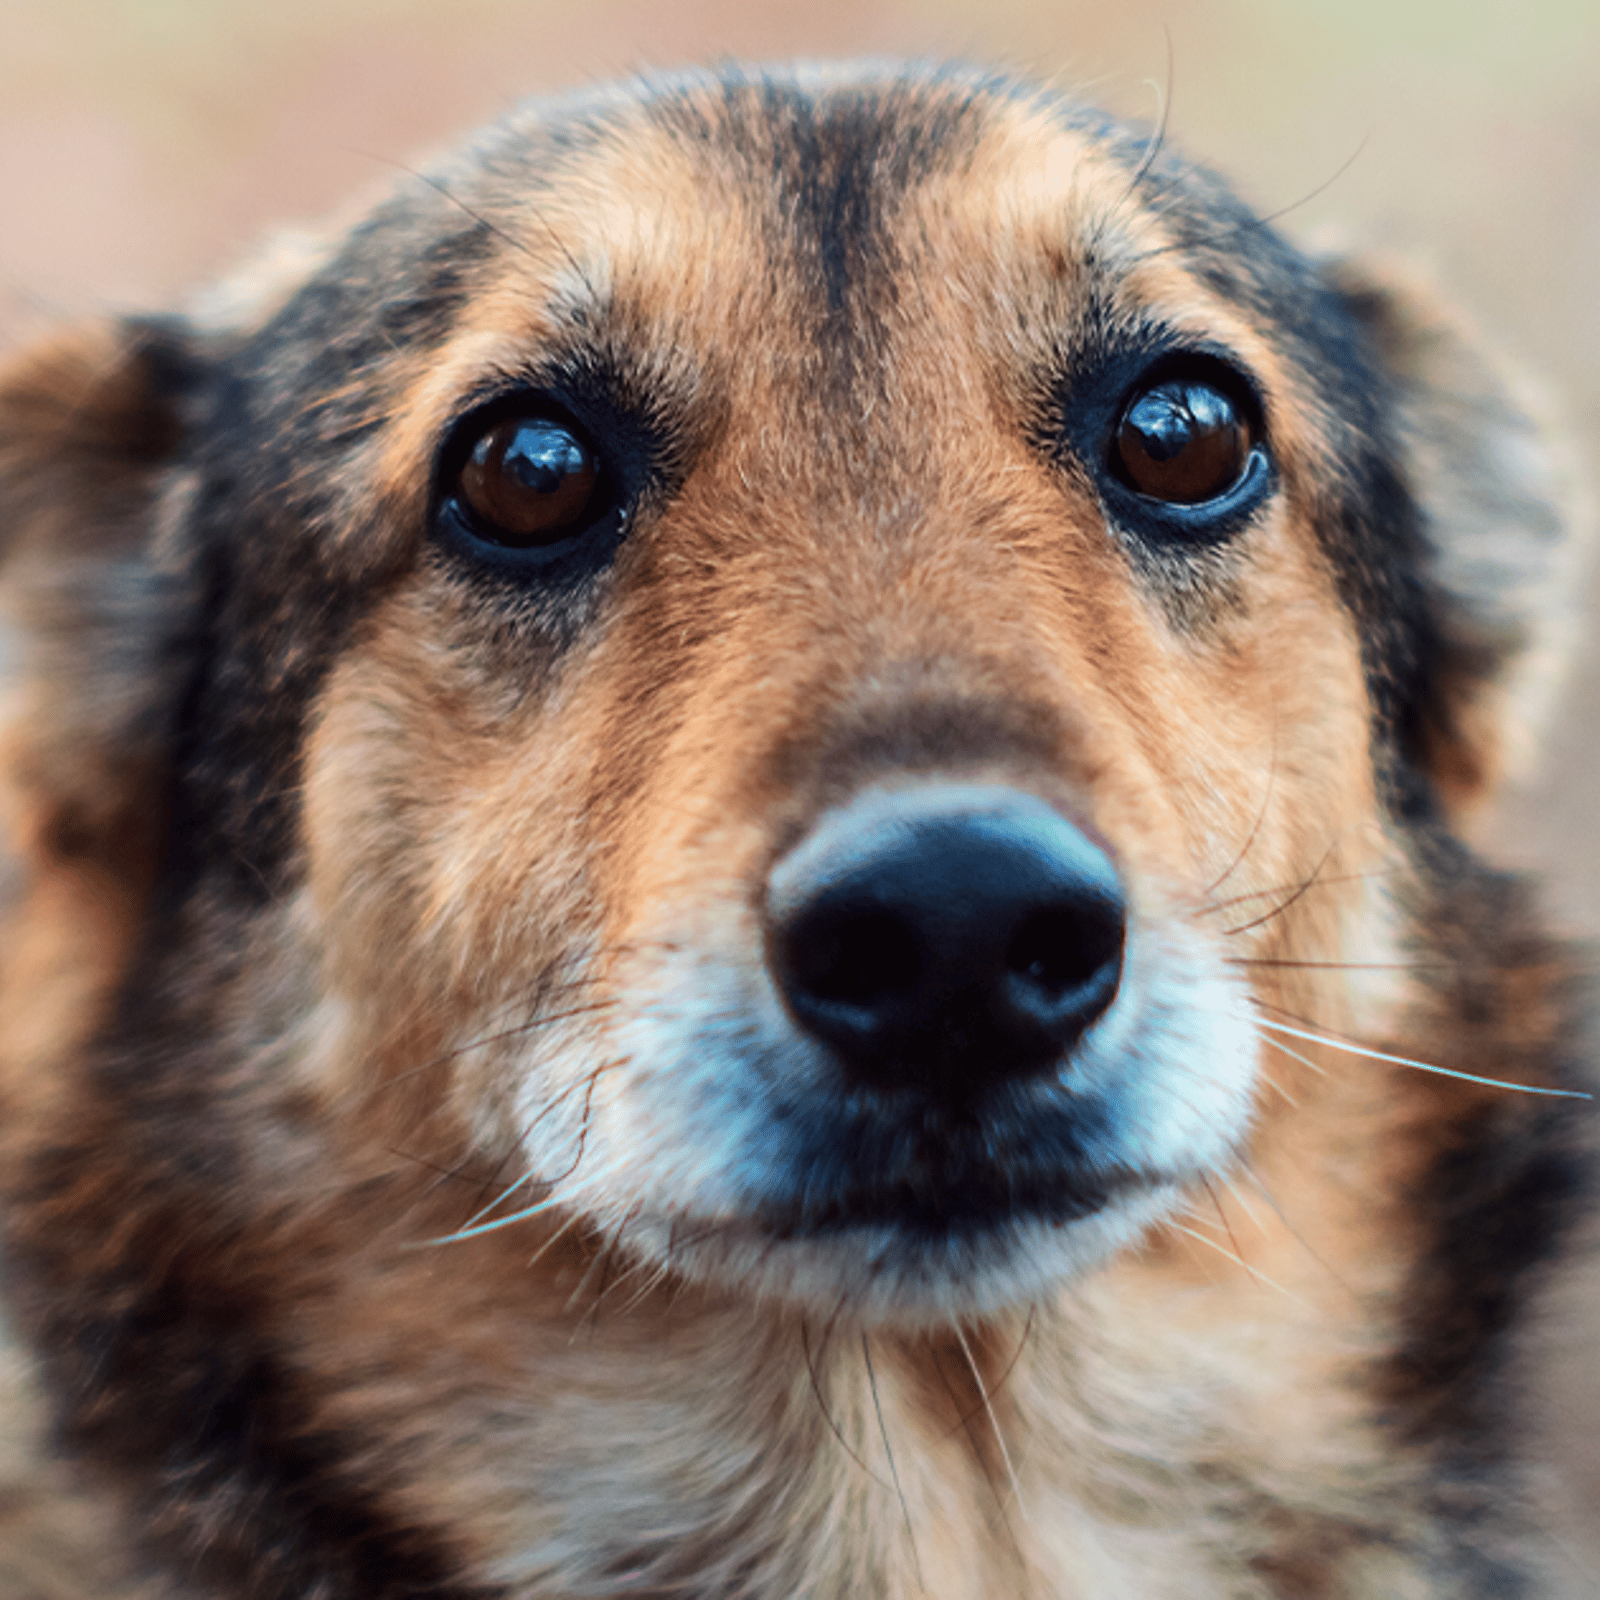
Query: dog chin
point(900, 1275)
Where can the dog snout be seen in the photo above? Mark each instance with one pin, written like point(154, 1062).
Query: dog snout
point(946, 938)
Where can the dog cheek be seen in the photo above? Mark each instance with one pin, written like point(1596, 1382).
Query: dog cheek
point(446, 885)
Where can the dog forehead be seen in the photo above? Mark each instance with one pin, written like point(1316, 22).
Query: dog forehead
point(841, 189)
point(857, 272)
point(694, 233)
point(708, 240)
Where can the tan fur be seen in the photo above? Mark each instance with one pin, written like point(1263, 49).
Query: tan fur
point(516, 872)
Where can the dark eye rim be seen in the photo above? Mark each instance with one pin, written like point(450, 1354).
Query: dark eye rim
point(623, 463)
point(1094, 413)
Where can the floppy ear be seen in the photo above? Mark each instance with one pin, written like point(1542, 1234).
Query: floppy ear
point(92, 434)
point(1506, 527)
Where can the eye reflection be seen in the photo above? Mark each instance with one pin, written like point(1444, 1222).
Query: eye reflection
point(1182, 441)
point(529, 481)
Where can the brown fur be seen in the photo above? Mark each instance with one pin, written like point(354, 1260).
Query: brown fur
point(369, 897)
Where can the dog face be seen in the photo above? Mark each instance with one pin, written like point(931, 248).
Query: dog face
point(990, 504)
point(773, 682)
point(789, 648)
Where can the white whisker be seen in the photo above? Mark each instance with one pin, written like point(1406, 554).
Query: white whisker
point(1354, 1049)
point(1244, 1204)
point(1239, 1261)
point(1272, 1083)
point(1294, 1055)
point(994, 1422)
point(553, 1240)
point(476, 1230)
point(1247, 1171)
point(499, 1200)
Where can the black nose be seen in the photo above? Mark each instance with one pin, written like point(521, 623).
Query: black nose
point(945, 937)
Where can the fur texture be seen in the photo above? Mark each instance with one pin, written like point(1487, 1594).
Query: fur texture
point(429, 1169)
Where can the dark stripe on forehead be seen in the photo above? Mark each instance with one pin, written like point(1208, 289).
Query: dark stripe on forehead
point(829, 169)
point(843, 165)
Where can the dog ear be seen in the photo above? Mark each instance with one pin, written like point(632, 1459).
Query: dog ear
point(1506, 529)
point(93, 428)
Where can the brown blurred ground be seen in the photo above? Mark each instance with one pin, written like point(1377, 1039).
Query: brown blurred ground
point(145, 143)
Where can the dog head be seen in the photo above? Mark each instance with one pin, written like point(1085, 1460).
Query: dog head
point(780, 666)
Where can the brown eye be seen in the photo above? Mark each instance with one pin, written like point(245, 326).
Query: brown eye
point(1183, 442)
point(529, 481)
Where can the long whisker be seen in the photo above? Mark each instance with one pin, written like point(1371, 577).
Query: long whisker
point(1305, 1244)
point(1354, 1049)
point(1260, 817)
point(888, 1450)
point(1016, 1355)
point(517, 1030)
point(964, 1424)
point(451, 1174)
point(1304, 889)
point(1295, 1055)
point(520, 246)
point(531, 1025)
point(994, 1420)
point(1274, 891)
point(1244, 1204)
point(822, 1406)
point(1336, 966)
point(1222, 1217)
point(534, 1180)
point(1277, 1088)
point(1158, 136)
point(476, 1230)
point(1239, 1261)
point(1259, 224)
point(554, 1239)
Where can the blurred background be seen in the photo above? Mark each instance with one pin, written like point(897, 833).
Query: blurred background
point(144, 144)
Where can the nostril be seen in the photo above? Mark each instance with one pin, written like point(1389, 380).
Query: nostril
point(1060, 949)
point(850, 955)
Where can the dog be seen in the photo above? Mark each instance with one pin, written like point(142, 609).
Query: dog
point(744, 870)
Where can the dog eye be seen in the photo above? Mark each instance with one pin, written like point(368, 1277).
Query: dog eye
point(529, 481)
point(1182, 441)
